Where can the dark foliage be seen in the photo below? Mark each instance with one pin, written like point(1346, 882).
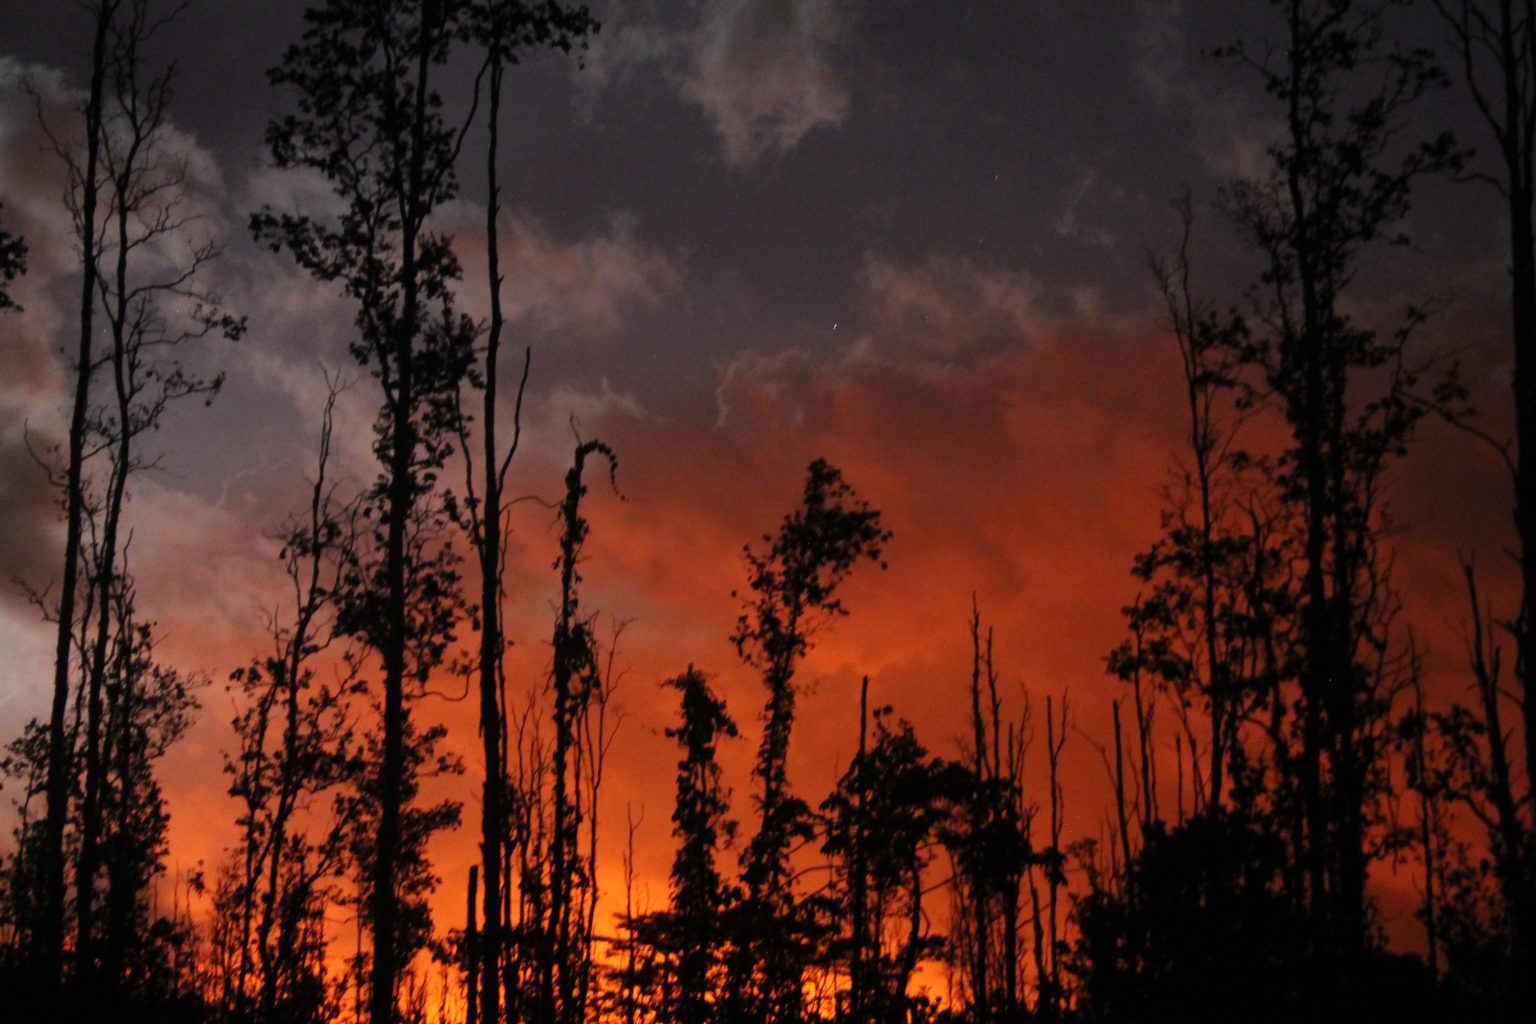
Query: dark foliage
point(676, 957)
point(881, 829)
point(1199, 929)
point(370, 120)
point(13, 263)
point(793, 583)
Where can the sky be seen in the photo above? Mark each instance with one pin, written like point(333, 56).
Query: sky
point(910, 237)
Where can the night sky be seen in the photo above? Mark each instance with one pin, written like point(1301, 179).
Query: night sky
point(911, 237)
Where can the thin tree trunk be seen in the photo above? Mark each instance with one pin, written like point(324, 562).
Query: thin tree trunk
point(59, 768)
point(492, 725)
point(105, 569)
point(401, 501)
point(1519, 143)
point(980, 889)
point(288, 782)
point(122, 880)
point(1055, 742)
point(857, 880)
point(472, 952)
point(1122, 818)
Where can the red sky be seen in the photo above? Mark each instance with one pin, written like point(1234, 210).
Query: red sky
point(917, 250)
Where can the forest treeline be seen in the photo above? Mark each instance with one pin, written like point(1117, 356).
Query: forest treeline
point(1272, 742)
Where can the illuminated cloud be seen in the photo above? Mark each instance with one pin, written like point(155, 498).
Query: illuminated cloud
point(1074, 223)
point(587, 285)
point(955, 310)
point(764, 74)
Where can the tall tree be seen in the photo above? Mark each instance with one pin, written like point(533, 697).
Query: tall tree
point(153, 306)
point(1213, 628)
point(1339, 180)
point(1495, 42)
point(577, 682)
point(128, 193)
point(793, 581)
point(688, 938)
point(370, 118)
point(991, 846)
point(504, 31)
point(85, 185)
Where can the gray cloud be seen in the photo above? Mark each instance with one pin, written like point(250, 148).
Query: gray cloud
point(764, 74)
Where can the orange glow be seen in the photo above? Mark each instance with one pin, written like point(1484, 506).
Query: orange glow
point(1027, 480)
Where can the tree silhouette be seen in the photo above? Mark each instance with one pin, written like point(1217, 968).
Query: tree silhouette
point(882, 824)
point(1210, 624)
point(149, 707)
point(563, 949)
point(1199, 930)
point(1214, 628)
point(1339, 180)
point(794, 582)
point(415, 878)
point(13, 264)
point(1492, 42)
point(152, 307)
point(681, 980)
point(142, 265)
point(369, 118)
point(294, 735)
point(1463, 757)
point(991, 848)
point(699, 897)
point(504, 31)
point(84, 178)
point(1263, 641)
point(140, 961)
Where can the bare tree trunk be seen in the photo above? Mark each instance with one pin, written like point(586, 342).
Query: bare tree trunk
point(472, 951)
point(1056, 739)
point(122, 886)
point(1509, 832)
point(51, 941)
point(858, 983)
point(489, 549)
point(1043, 1000)
point(1144, 742)
point(1508, 42)
point(574, 678)
point(124, 169)
point(1122, 818)
point(1428, 815)
point(980, 882)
